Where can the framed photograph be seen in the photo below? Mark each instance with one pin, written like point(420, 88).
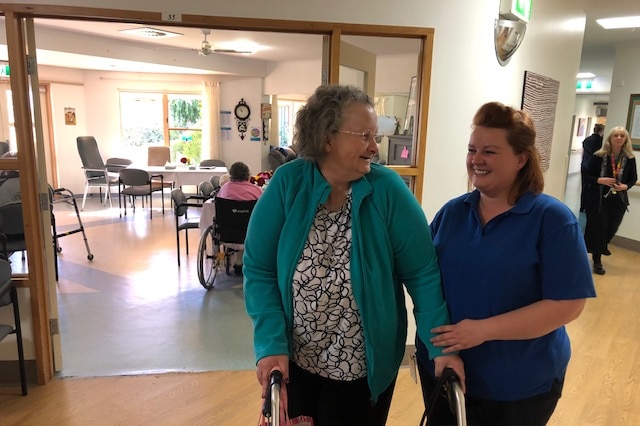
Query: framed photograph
point(70, 116)
point(633, 121)
point(410, 116)
point(582, 125)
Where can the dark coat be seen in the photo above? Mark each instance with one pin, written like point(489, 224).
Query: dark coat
point(590, 145)
point(593, 193)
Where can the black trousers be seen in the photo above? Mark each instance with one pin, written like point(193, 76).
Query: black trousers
point(334, 402)
point(602, 224)
point(534, 411)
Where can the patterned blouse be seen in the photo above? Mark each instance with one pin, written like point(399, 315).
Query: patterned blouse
point(328, 339)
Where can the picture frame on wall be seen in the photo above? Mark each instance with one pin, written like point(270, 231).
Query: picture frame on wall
point(633, 120)
point(410, 116)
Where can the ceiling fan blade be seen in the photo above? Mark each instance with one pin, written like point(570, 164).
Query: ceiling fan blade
point(232, 51)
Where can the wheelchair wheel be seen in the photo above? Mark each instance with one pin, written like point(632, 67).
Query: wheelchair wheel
point(209, 258)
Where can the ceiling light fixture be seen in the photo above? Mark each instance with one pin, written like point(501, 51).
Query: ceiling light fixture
point(620, 22)
point(585, 75)
point(149, 32)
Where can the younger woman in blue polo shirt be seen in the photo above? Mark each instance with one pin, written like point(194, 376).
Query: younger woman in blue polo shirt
point(514, 271)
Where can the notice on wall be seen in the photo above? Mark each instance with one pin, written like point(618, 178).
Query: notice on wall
point(225, 125)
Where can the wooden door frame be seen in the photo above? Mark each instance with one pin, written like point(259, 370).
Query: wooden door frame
point(15, 16)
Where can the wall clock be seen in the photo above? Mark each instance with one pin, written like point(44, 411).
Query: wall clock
point(242, 113)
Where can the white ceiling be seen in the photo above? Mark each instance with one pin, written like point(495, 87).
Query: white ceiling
point(154, 55)
point(94, 45)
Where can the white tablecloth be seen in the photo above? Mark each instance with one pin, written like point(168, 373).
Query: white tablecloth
point(184, 176)
point(207, 214)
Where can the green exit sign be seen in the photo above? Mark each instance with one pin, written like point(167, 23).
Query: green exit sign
point(516, 9)
point(4, 70)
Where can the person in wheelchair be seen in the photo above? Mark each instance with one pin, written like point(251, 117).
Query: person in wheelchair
point(240, 189)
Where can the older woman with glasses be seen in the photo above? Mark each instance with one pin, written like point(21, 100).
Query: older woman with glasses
point(330, 244)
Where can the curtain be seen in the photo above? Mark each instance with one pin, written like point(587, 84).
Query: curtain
point(210, 120)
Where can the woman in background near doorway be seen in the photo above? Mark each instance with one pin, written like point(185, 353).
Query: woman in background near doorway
point(609, 175)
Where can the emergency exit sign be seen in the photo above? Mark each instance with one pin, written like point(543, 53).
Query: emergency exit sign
point(516, 9)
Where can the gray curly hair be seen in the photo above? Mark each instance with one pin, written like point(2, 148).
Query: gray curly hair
point(321, 116)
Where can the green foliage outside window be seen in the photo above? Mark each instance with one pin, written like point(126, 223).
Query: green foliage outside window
point(138, 136)
point(187, 144)
point(185, 113)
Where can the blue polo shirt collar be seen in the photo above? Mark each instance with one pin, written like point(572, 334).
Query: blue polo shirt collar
point(523, 206)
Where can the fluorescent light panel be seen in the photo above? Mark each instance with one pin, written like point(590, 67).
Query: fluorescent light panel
point(621, 22)
point(585, 75)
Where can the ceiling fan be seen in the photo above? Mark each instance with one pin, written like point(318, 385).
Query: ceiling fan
point(206, 48)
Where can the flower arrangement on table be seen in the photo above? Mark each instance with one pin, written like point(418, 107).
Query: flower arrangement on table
point(185, 160)
point(261, 178)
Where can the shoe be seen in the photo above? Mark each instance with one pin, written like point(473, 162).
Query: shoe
point(598, 269)
point(237, 269)
point(606, 252)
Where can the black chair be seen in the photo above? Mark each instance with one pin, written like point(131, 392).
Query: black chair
point(139, 183)
point(222, 239)
point(96, 173)
point(9, 296)
point(4, 148)
point(12, 229)
point(212, 163)
point(181, 204)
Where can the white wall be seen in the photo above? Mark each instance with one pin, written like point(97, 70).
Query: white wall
point(626, 81)
point(70, 174)
point(253, 153)
point(94, 95)
point(394, 72)
point(293, 77)
point(466, 74)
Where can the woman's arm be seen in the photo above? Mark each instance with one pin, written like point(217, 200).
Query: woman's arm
point(528, 322)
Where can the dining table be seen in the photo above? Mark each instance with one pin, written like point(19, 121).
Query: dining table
point(185, 175)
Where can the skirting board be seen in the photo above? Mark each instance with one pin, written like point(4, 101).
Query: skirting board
point(626, 243)
point(10, 373)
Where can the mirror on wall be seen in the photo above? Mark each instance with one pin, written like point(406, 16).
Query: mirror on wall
point(508, 37)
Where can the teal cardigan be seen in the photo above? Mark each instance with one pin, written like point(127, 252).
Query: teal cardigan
point(391, 245)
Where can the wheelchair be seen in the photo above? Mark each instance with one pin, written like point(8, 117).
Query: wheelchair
point(222, 239)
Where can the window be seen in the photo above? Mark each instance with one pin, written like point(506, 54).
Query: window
point(287, 110)
point(171, 119)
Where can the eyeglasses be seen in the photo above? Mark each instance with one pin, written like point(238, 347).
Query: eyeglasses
point(365, 136)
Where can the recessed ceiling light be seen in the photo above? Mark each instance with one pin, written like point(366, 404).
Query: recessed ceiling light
point(585, 75)
point(621, 22)
point(149, 32)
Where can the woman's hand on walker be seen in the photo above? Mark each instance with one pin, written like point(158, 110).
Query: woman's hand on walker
point(266, 365)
